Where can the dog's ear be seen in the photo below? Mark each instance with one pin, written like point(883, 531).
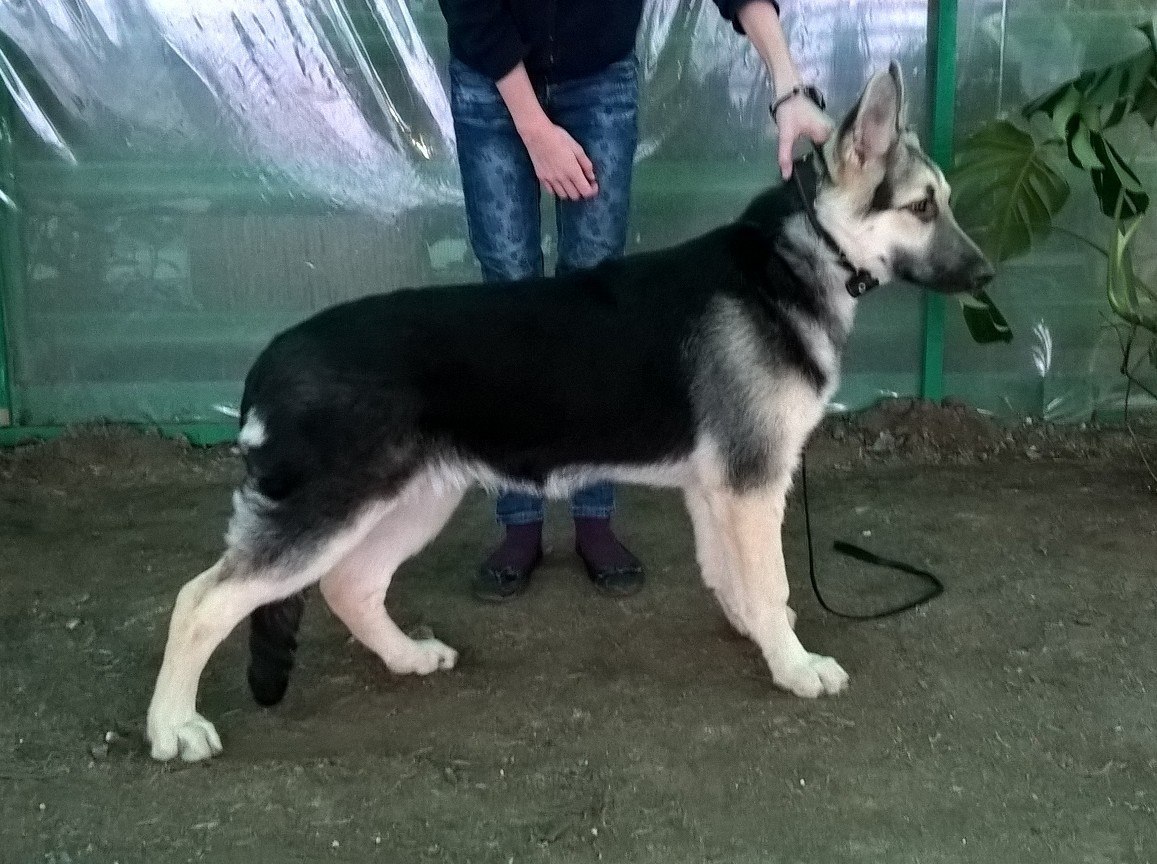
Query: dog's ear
point(873, 127)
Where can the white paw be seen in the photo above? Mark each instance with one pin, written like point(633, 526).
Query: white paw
point(813, 676)
point(193, 739)
point(424, 656)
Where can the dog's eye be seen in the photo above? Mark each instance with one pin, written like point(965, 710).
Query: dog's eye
point(924, 209)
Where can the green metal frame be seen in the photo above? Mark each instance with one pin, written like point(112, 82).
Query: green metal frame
point(8, 414)
point(6, 408)
point(942, 86)
point(199, 434)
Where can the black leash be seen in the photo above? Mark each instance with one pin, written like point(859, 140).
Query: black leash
point(867, 557)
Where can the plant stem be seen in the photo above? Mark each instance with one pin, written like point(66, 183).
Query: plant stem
point(1082, 238)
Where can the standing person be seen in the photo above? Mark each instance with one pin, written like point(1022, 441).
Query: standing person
point(546, 92)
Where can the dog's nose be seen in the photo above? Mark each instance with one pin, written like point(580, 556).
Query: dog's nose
point(982, 275)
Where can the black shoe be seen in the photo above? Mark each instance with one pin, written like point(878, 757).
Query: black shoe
point(621, 580)
point(610, 565)
point(495, 582)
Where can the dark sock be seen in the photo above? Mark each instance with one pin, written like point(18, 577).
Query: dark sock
point(599, 547)
point(519, 549)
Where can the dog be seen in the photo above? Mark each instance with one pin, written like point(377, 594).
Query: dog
point(703, 367)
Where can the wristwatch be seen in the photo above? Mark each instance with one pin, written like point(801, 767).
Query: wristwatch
point(807, 90)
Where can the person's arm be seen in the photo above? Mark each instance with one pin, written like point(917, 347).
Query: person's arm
point(483, 35)
point(798, 117)
point(559, 161)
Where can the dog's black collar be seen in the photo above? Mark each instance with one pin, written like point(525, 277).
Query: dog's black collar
point(860, 281)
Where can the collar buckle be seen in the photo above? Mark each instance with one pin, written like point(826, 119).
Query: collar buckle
point(860, 283)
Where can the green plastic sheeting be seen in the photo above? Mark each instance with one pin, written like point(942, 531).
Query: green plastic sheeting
point(180, 181)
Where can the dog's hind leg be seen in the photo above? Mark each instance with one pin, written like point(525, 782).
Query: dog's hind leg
point(355, 588)
point(751, 523)
point(207, 609)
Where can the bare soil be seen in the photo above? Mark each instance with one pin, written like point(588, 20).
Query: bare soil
point(1010, 720)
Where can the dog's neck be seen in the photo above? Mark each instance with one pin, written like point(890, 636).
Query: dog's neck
point(791, 237)
point(797, 246)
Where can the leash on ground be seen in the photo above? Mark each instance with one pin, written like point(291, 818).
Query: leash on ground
point(860, 554)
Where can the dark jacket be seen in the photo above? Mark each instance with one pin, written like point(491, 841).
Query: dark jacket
point(556, 39)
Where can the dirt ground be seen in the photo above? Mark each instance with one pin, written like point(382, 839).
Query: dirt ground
point(1011, 720)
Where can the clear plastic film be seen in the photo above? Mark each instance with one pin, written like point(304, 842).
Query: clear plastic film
point(186, 178)
point(1064, 362)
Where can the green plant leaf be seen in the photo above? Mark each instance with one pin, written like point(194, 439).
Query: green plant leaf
point(1007, 189)
point(985, 322)
point(1078, 137)
point(1107, 95)
point(1118, 189)
point(1129, 298)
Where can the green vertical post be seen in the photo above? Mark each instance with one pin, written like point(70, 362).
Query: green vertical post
point(7, 406)
point(942, 86)
point(5, 376)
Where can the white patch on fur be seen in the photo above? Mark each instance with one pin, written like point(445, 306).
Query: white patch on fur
point(451, 474)
point(561, 484)
point(252, 433)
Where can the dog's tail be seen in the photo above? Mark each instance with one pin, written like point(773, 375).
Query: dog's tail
point(272, 643)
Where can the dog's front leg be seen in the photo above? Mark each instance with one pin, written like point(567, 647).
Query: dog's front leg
point(750, 523)
point(714, 562)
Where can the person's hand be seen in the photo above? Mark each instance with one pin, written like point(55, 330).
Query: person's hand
point(799, 117)
point(560, 163)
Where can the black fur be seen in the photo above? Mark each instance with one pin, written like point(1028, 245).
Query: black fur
point(882, 197)
point(272, 643)
point(586, 368)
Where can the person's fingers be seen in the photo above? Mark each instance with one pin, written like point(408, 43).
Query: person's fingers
point(822, 129)
point(586, 164)
point(786, 141)
point(578, 175)
point(569, 191)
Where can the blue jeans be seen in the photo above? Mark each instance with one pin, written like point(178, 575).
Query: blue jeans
point(503, 196)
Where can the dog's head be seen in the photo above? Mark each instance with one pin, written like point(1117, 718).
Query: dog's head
point(886, 203)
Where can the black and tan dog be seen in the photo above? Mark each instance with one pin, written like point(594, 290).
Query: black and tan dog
point(704, 367)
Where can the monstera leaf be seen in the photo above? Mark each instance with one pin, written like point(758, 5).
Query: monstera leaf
point(1112, 91)
point(1130, 298)
point(1081, 110)
point(985, 322)
point(1007, 189)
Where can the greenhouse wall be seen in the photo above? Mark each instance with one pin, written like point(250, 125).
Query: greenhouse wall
point(182, 180)
point(1065, 358)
